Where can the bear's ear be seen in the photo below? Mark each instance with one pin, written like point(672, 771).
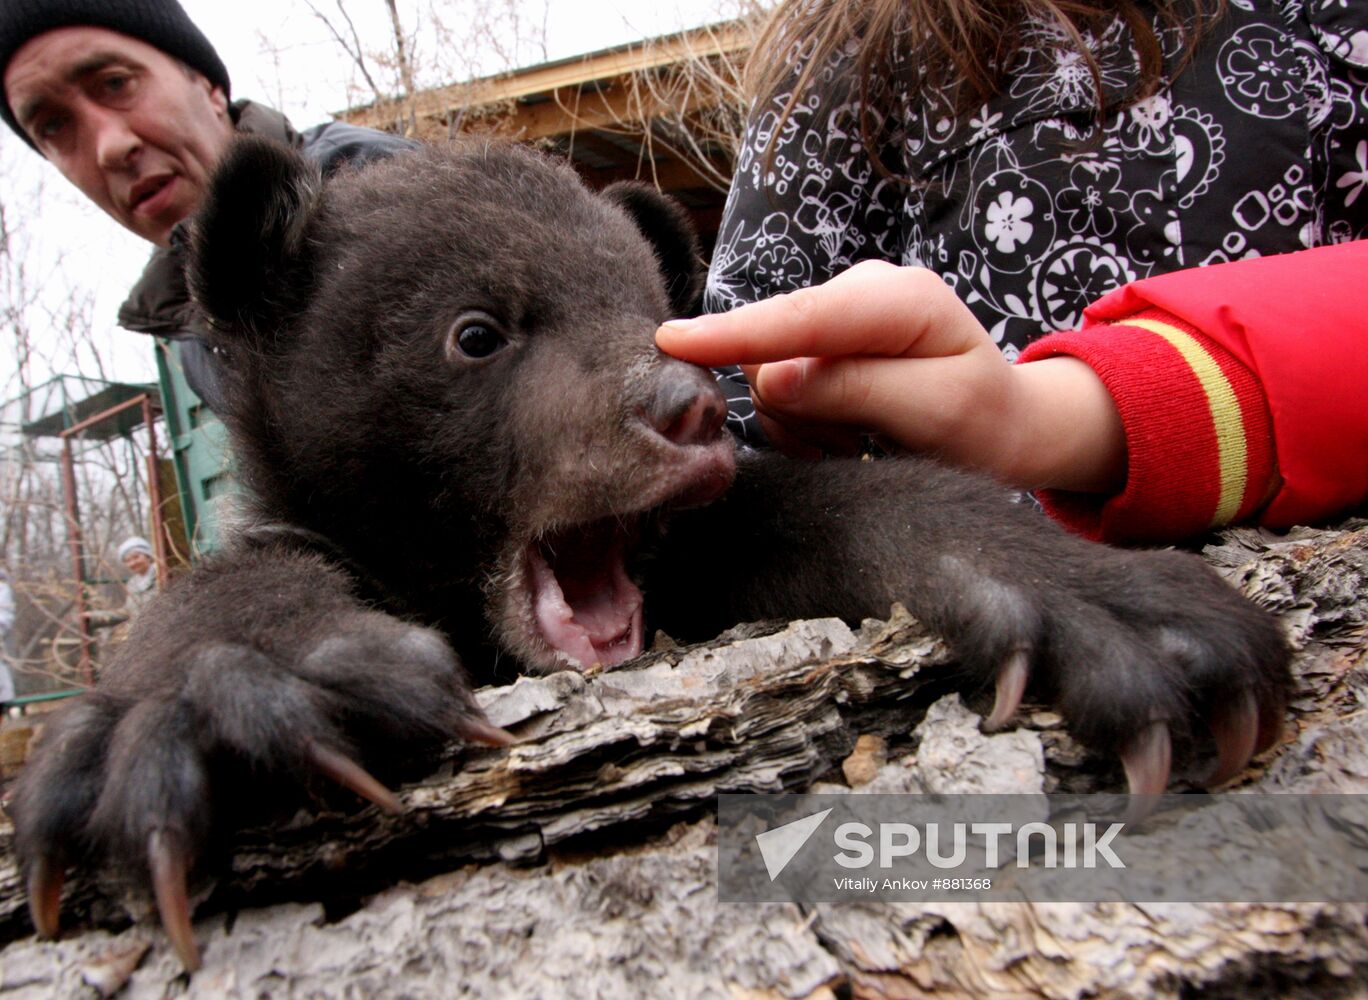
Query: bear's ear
point(663, 222)
point(249, 263)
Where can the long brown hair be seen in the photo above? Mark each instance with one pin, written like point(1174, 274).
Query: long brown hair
point(965, 46)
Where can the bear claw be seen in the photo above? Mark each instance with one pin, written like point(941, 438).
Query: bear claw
point(479, 731)
point(1147, 761)
point(349, 774)
point(45, 896)
point(167, 862)
point(1011, 685)
point(1236, 726)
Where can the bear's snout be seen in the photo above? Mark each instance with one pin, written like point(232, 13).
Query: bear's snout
point(687, 407)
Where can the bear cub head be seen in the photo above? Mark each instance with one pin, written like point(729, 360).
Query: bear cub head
point(443, 364)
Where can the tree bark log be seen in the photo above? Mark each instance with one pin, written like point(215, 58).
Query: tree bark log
point(580, 862)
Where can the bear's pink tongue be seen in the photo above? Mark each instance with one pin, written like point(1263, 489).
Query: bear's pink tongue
point(584, 603)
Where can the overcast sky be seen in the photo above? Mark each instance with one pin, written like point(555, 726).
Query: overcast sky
point(308, 80)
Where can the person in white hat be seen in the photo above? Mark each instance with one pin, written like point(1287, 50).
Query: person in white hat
point(138, 558)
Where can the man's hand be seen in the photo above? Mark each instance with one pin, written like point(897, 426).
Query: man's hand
point(891, 351)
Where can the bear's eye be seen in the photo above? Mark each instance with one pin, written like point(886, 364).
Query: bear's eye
point(476, 339)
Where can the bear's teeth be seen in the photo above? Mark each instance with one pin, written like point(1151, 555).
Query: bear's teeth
point(590, 612)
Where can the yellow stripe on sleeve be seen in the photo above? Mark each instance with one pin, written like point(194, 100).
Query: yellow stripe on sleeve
point(1231, 447)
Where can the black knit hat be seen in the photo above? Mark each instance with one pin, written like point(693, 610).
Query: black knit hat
point(163, 24)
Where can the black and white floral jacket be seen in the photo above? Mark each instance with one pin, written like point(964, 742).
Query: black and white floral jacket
point(1260, 146)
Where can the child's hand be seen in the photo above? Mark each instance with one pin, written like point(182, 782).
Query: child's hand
point(891, 351)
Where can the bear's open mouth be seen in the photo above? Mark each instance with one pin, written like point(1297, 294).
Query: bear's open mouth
point(584, 604)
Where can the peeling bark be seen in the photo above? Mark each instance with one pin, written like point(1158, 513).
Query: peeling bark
point(580, 862)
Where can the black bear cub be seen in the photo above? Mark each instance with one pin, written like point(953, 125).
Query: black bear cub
point(466, 451)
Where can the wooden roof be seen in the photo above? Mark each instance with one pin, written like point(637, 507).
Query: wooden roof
point(647, 110)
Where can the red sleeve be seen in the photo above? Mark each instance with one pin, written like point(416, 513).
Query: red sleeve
point(1243, 389)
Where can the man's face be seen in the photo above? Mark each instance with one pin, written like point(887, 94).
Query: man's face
point(136, 131)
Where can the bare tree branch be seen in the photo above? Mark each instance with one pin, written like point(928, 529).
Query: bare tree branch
point(405, 66)
point(352, 47)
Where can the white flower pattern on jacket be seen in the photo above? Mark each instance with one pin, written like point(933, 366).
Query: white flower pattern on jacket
point(1007, 221)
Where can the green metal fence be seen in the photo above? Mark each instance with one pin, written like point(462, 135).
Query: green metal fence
point(199, 448)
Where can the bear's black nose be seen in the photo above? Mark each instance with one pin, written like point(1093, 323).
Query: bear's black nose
point(688, 409)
